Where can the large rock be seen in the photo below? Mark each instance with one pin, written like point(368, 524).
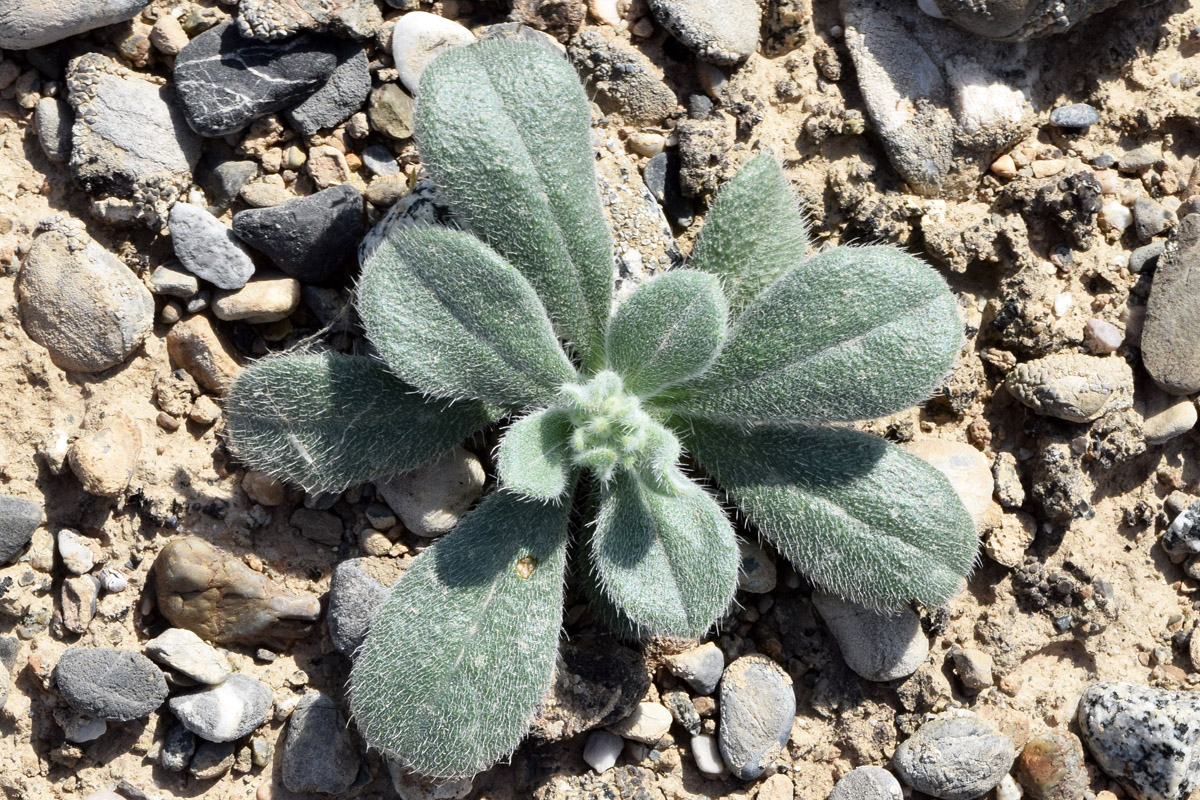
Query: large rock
point(110, 684)
point(19, 518)
point(1146, 738)
point(25, 24)
point(226, 82)
point(1019, 19)
point(319, 753)
point(758, 706)
point(309, 237)
point(129, 139)
point(942, 101)
point(80, 302)
point(216, 596)
point(1171, 334)
point(876, 645)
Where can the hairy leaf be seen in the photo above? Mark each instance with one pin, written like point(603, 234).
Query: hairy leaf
point(535, 455)
point(853, 333)
point(328, 421)
point(504, 128)
point(456, 320)
point(860, 517)
point(753, 233)
point(667, 559)
point(462, 652)
point(667, 331)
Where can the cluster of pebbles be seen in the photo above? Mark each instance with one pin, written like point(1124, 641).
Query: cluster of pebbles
point(226, 164)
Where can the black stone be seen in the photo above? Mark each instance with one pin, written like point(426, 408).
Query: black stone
point(19, 518)
point(222, 181)
point(344, 93)
point(1076, 115)
point(662, 179)
point(309, 237)
point(226, 82)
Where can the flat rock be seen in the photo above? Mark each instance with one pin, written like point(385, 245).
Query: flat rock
point(758, 706)
point(319, 754)
point(942, 101)
point(417, 38)
point(354, 597)
point(343, 94)
point(116, 685)
point(208, 249)
point(226, 81)
point(225, 712)
point(309, 237)
point(19, 518)
point(80, 302)
point(25, 24)
point(1073, 386)
point(188, 654)
point(867, 783)
point(1147, 739)
point(701, 667)
point(431, 499)
point(211, 593)
point(1171, 334)
point(1013, 20)
point(279, 19)
point(955, 756)
point(877, 646)
point(723, 32)
point(129, 139)
point(267, 298)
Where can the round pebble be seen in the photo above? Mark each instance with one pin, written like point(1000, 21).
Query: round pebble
point(116, 685)
point(602, 750)
point(867, 783)
point(955, 756)
point(417, 38)
point(758, 705)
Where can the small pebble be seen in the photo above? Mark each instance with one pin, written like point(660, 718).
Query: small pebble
point(106, 459)
point(1182, 536)
point(77, 553)
point(419, 36)
point(648, 723)
point(1051, 767)
point(432, 498)
point(268, 298)
point(178, 745)
point(208, 249)
point(707, 755)
point(701, 667)
point(19, 518)
point(1115, 215)
point(974, 667)
point(602, 750)
point(212, 760)
point(756, 573)
point(877, 646)
point(1076, 115)
point(354, 597)
point(1102, 337)
point(186, 653)
point(1177, 418)
point(867, 783)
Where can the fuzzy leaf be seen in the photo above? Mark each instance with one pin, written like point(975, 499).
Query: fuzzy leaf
point(504, 128)
point(535, 455)
point(860, 517)
point(667, 559)
point(462, 652)
point(456, 320)
point(753, 233)
point(328, 421)
point(667, 331)
point(853, 333)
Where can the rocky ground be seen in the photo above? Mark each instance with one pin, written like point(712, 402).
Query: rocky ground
point(184, 186)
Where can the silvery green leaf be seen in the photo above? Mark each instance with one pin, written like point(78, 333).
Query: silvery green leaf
point(535, 455)
point(667, 331)
point(328, 421)
point(860, 517)
point(461, 654)
point(453, 318)
point(853, 333)
point(504, 128)
point(666, 557)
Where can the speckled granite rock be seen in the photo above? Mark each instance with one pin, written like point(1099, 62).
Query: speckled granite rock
point(1020, 19)
point(1073, 386)
point(1146, 738)
point(25, 24)
point(279, 19)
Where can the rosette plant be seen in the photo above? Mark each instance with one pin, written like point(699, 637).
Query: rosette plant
point(626, 417)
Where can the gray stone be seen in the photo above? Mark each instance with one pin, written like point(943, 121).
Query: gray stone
point(225, 180)
point(354, 597)
point(431, 499)
point(80, 302)
point(758, 706)
point(1020, 19)
point(224, 712)
point(1150, 218)
point(19, 518)
point(342, 95)
point(279, 19)
point(116, 685)
point(78, 727)
point(602, 750)
point(867, 783)
point(178, 745)
point(129, 139)
point(1076, 115)
point(380, 160)
point(723, 32)
point(417, 38)
point(955, 756)
point(1146, 257)
point(309, 237)
point(661, 175)
point(188, 654)
point(226, 82)
point(1147, 739)
point(170, 279)
point(319, 755)
point(208, 249)
point(53, 119)
point(212, 760)
point(1171, 333)
point(878, 646)
point(1140, 159)
point(25, 24)
point(682, 710)
point(701, 667)
point(943, 102)
point(756, 570)
point(623, 79)
point(1073, 386)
